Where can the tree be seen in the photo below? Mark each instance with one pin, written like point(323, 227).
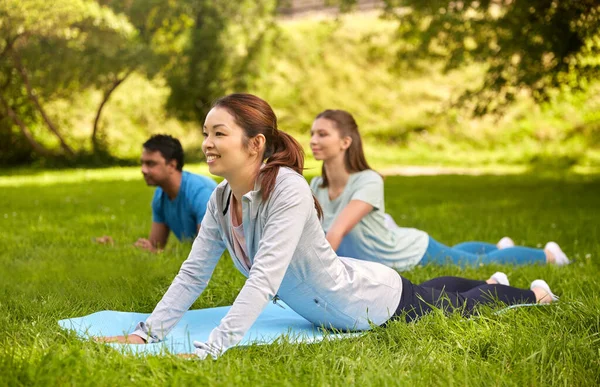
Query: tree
point(225, 50)
point(52, 50)
point(203, 48)
point(531, 47)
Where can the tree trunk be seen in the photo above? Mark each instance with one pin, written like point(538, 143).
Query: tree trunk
point(105, 99)
point(37, 147)
point(39, 107)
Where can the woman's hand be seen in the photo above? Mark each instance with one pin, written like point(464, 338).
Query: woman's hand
point(129, 339)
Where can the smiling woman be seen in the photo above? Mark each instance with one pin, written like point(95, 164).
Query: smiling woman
point(265, 215)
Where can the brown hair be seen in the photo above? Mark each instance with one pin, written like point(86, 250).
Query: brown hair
point(255, 117)
point(354, 158)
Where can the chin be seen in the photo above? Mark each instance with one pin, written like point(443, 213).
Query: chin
point(215, 171)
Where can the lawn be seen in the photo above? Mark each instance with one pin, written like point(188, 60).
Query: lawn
point(50, 269)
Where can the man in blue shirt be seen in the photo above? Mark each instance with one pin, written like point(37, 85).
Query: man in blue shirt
point(180, 198)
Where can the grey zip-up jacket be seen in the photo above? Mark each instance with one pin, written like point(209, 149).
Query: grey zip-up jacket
point(290, 259)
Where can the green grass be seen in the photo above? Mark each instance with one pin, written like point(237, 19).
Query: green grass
point(50, 270)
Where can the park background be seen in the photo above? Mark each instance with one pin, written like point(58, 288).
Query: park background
point(498, 100)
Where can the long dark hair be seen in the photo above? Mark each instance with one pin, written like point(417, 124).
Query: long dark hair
point(354, 158)
point(255, 117)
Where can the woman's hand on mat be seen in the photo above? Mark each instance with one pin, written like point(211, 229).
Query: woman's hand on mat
point(129, 339)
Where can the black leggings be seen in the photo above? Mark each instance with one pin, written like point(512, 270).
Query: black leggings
point(455, 293)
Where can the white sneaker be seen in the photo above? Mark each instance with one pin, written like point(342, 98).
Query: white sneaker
point(560, 258)
point(501, 278)
point(540, 283)
point(505, 242)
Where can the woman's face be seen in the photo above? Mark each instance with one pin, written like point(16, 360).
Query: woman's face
point(223, 144)
point(326, 141)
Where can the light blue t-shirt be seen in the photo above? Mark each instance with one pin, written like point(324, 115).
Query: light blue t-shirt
point(371, 240)
point(184, 213)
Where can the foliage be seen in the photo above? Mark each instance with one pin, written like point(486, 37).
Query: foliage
point(203, 49)
point(535, 48)
point(52, 50)
point(226, 50)
point(50, 270)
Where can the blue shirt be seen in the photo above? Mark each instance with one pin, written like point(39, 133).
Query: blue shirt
point(184, 213)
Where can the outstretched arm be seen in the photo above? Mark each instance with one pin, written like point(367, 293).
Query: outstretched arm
point(346, 220)
point(187, 286)
point(291, 204)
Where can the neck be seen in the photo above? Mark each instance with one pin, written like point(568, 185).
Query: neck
point(171, 187)
point(337, 175)
point(243, 181)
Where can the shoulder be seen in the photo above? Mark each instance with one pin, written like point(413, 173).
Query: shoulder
point(157, 202)
point(292, 182)
point(158, 193)
point(367, 176)
point(315, 183)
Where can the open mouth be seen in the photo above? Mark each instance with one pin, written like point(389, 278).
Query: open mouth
point(212, 158)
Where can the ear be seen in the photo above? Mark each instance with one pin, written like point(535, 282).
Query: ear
point(257, 144)
point(346, 142)
point(172, 163)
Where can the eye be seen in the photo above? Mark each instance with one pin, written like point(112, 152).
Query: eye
point(219, 134)
point(204, 134)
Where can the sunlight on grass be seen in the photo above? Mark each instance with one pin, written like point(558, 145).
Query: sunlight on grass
point(50, 270)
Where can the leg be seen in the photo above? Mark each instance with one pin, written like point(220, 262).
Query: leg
point(491, 293)
point(517, 255)
point(440, 254)
point(452, 284)
point(476, 247)
point(418, 300)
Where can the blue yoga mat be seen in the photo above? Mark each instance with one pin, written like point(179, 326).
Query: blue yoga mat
point(275, 322)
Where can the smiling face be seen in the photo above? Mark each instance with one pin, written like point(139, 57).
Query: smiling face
point(155, 168)
point(225, 145)
point(326, 141)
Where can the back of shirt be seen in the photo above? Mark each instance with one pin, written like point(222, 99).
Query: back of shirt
point(184, 213)
point(371, 240)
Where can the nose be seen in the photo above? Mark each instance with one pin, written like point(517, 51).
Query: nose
point(313, 140)
point(207, 144)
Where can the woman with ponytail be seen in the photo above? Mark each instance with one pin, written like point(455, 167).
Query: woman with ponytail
point(351, 195)
point(264, 214)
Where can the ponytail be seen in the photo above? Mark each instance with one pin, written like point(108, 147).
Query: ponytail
point(285, 152)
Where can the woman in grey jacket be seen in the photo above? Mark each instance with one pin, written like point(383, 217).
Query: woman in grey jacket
point(265, 215)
